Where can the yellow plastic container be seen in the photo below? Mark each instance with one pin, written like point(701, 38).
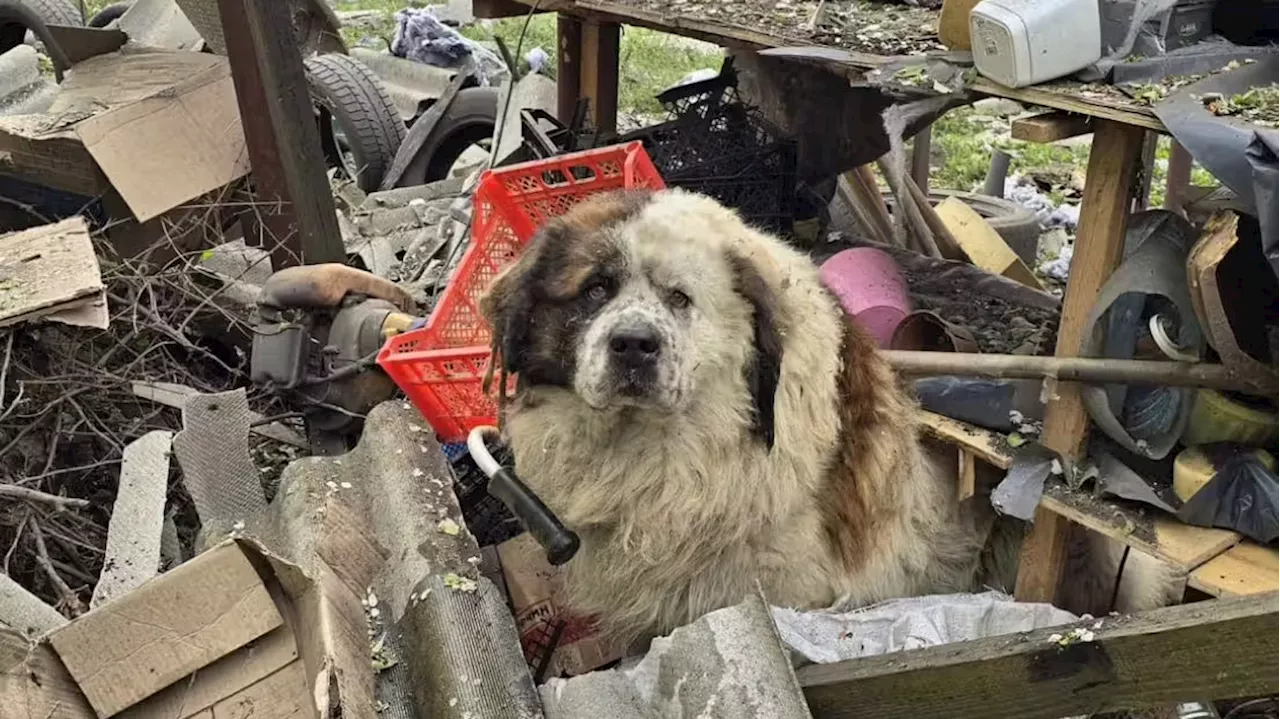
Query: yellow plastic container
point(1193, 469)
point(1218, 418)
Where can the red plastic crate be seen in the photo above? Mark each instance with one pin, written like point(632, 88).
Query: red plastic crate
point(441, 366)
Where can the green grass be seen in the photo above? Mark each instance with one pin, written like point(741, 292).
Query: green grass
point(649, 61)
point(968, 139)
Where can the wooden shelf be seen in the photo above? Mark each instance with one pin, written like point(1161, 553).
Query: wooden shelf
point(1246, 568)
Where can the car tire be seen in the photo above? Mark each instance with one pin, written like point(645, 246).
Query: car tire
point(352, 104)
point(57, 12)
point(469, 119)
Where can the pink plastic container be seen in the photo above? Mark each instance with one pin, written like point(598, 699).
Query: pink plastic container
point(870, 288)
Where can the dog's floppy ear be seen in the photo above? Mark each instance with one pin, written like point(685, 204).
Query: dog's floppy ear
point(508, 304)
point(764, 371)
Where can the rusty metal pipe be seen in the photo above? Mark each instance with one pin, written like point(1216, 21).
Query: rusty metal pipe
point(1082, 369)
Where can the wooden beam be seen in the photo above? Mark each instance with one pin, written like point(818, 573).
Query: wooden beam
point(496, 9)
point(568, 66)
point(920, 146)
point(984, 444)
point(1146, 166)
point(1062, 95)
point(1113, 159)
point(1178, 181)
point(1159, 657)
point(1050, 127)
point(599, 73)
point(298, 218)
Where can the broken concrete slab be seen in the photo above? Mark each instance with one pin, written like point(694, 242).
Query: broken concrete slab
point(137, 518)
point(729, 664)
point(213, 450)
point(24, 612)
point(51, 272)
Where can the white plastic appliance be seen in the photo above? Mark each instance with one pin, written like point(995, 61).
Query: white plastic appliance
point(1024, 42)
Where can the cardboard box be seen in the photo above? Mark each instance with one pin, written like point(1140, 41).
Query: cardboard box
point(34, 684)
point(162, 128)
point(235, 633)
point(533, 585)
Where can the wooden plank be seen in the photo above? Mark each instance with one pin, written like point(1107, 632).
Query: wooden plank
point(920, 146)
point(1113, 159)
point(47, 270)
point(569, 63)
point(1146, 660)
point(1063, 95)
point(968, 474)
point(298, 217)
point(1050, 127)
point(1182, 546)
point(982, 244)
point(598, 73)
point(495, 9)
point(984, 444)
point(1245, 569)
point(1178, 181)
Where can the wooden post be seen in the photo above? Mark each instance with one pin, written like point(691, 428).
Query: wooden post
point(294, 201)
point(568, 65)
point(1113, 159)
point(599, 72)
point(920, 158)
point(1148, 166)
point(1178, 179)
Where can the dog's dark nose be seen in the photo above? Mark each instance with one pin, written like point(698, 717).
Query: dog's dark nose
point(634, 346)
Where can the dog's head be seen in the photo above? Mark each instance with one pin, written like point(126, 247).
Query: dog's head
point(640, 299)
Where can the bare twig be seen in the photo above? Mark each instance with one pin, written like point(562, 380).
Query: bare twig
point(8, 355)
point(34, 495)
point(69, 470)
point(17, 537)
point(69, 598)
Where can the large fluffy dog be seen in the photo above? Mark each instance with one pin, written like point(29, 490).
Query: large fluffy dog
point(698, 407)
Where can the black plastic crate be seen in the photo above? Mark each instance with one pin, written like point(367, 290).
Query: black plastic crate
point(717, 145)
point(486, 516)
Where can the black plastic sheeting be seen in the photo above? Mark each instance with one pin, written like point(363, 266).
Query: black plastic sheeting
point(1240, 154)
point(1242, 496)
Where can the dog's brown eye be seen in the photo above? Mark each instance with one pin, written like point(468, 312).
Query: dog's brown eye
point(596, 293)
point(679, 299)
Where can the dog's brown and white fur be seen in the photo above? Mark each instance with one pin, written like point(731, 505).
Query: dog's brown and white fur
point(698, 407)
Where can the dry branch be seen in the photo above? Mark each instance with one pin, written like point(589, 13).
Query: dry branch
point(35, 495)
